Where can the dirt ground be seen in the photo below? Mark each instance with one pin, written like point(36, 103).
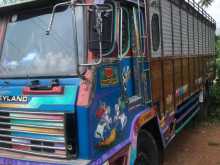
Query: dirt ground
point(195, 145)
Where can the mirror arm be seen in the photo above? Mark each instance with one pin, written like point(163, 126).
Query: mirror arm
point(53, 15)
point(121, 34)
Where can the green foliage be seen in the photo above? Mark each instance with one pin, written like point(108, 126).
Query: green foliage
point(214, 115)
point(205, 3)
point(218, 47)
point(215, 93)
point(214, 106)
point(214, 103)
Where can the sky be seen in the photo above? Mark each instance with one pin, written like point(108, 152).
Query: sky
point(214, 11)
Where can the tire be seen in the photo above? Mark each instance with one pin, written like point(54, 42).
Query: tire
point(147, 150)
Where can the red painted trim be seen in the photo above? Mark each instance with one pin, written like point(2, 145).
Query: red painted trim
point(54, 90)
point(85, 89)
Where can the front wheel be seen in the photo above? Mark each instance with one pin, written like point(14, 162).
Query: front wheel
point(147, 149)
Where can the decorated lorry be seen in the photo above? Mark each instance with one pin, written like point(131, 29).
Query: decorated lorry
point(100, 81)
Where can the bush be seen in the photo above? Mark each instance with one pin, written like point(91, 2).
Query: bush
point(215, 93)
point(214, 103)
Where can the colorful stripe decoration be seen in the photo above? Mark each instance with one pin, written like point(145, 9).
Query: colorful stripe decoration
point(40, 134)
point(38, 130)
point(181, 91)
point(37, 123)
point(37, 116)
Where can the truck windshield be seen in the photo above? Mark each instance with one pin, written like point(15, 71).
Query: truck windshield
point(28, 51)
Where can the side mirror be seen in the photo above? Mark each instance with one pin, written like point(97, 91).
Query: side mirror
point(98, 28)
point(100, 13)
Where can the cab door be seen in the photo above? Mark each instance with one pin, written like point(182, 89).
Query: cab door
point(134, 66)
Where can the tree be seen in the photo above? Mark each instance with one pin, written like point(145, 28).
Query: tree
point(205, 3)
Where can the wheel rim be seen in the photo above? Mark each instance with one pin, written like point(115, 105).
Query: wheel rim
point(142, 159)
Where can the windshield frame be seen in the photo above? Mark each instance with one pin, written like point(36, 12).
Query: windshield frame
point(3, 30)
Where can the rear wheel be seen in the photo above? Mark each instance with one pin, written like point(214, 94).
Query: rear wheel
point(147, 150)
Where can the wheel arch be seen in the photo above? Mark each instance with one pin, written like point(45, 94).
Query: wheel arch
point(152, 126)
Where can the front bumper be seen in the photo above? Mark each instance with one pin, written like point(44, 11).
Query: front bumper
point(9, 158)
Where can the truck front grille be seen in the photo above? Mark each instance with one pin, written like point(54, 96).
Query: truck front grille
point(40, 134)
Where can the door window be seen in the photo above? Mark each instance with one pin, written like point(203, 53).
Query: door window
point(108, 29)
point(155, 32)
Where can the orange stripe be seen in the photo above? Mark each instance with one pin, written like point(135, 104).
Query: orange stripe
point(38, 130)
point(13, 106)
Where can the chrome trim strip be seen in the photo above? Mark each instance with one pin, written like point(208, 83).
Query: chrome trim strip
point(27, 138)
point(13, 130)
point(34, 126)
point(32, 145)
